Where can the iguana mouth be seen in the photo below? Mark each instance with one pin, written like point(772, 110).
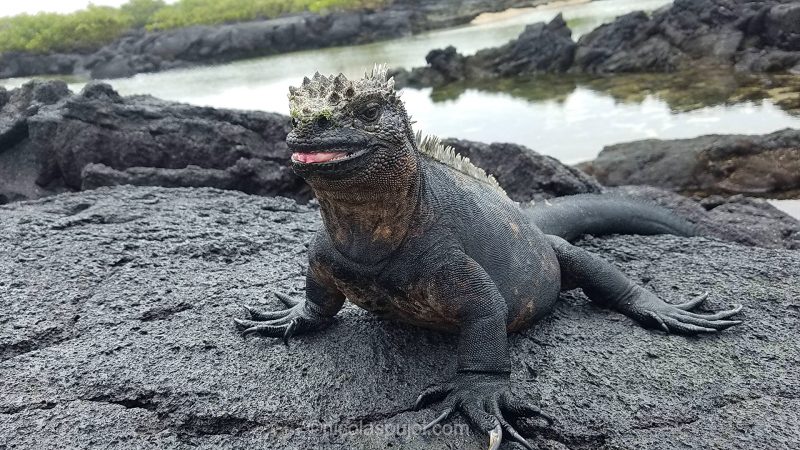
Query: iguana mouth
point(325, 157)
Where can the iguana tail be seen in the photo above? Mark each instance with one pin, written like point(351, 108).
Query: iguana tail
point(598, 214)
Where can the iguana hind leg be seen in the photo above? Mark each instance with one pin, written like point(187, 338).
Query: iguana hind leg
point(606, 285)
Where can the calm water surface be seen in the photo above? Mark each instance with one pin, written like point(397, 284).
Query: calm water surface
point(569, 118)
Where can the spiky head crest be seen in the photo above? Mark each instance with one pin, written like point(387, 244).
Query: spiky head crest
point(337, 99)
point(325, 96)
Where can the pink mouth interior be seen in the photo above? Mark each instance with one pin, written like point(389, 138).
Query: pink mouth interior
point(310, 158)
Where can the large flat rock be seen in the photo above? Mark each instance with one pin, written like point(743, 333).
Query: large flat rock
point(767, 165)
point(116, 331)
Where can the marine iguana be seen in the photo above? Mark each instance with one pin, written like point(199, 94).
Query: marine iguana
point(414, 232)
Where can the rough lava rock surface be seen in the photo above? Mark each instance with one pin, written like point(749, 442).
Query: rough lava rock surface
point(524, 174)
point(18, 162)
point(745, 220)
point(721, 164)
point(757, 36)
point(52, 141)
point(116, 310)
point(541, 48)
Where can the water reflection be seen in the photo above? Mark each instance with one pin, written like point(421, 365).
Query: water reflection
point(682, 91)
point(573, 117)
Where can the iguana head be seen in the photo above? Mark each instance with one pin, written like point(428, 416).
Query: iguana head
point(347, 133)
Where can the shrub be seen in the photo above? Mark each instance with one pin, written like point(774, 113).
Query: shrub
point(84, 30)
point(95, 26)
point(210, 12)
point(140, 11)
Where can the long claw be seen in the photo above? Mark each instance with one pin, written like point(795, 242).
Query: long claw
point(289, 331)
point(248, 327)
point(495, 437)
point(287, 300)
point(550, 419)
point(516, 437)
point(687, 327)
point(242, 325)
point(444, 415)
point(430, 395)
point(703, 322)
point(260, 329)
point(660, 321)
point(693, 302)
point(716, 316)
point(255, 314)
point(518, 408)
point(512, 433)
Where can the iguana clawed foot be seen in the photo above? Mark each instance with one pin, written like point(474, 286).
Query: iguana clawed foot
point(652, 312)
point(485, 400)
point(298, 318)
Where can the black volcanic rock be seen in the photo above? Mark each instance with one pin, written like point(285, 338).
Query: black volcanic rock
point(744, 35)
point(524, 174)
point(722, 164)
point(541, 48)
point(116, 330)
point(752, 36)
point(745, 220)
point(51, 141)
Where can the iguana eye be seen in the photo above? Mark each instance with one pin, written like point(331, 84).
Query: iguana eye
point(370, 113)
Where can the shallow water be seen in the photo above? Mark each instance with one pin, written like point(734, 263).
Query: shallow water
point(791, 207)
point(566, 117)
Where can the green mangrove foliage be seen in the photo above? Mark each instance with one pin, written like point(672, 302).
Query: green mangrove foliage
point(210, 12)
point(90, 28)
point(80, 31)
point(139, 12)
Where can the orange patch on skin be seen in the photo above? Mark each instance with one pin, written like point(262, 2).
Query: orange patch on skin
point(418, 307)
point(382, 233)
point(322, 274)
point(523, 319)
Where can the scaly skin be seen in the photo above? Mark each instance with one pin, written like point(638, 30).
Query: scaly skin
point(411, 238)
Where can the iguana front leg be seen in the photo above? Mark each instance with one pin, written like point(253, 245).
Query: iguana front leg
point(480, 390)
point(323, 301)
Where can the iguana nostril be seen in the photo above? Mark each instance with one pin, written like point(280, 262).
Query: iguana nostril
point(323, 122)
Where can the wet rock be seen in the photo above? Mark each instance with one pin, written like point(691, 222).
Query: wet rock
point(782, 26)
point(687, 35)
point(541, 48)
point(745, 220)
point(728, 164)
point(252, 176)
point(751, 36)
point(116, 328)
point(53, 141)
point(17, 64)
point(524, 174)
point(603, 47)
point(18, 160)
